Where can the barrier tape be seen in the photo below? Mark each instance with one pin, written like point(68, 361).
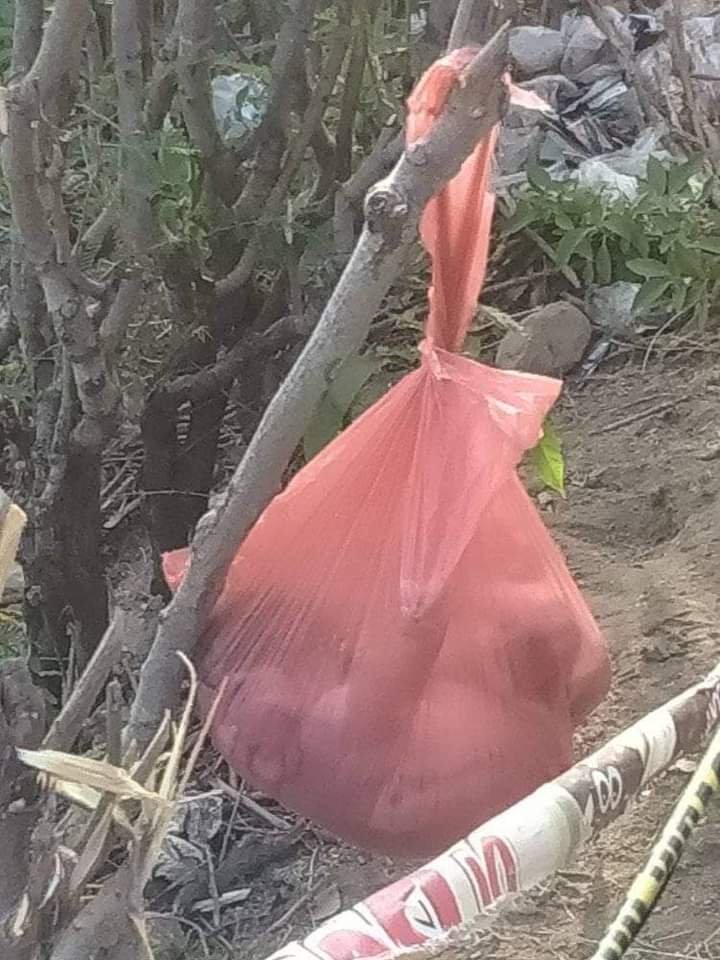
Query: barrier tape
point(648, 886)
point(520, 847)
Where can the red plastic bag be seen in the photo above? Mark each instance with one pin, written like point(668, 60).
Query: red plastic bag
point(406, 651)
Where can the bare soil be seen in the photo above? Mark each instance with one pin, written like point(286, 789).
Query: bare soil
point(641, 528)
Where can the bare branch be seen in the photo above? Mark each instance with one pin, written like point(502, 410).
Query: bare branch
point(349, 195)
point(268, 142)
point(40, 94)
point(121, 312)
point(321, 143)
point(348, 106)
point(55, 70)
point(213, 380)
point(461, 24)
point(137, 222)
point(27, 34)
point(241, 273)
point(194, 22)
point(393, 211)
point(162, 86)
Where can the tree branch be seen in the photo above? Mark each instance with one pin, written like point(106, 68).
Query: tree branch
point(390, 143)
point(138, 221)
point(55, 69)
point(393, 211)
point(213, 380)
point(461, 24)
point(242, 272)
point(268, 142)
point(194, 22)
point(27, 34)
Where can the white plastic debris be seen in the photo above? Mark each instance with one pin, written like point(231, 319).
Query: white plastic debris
point(599, 177)
point(611, 307)
point(239, 102)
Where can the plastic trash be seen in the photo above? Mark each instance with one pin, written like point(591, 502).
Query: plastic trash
point(239, 102)
point(405, 651)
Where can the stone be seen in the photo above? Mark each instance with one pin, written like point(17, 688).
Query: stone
point(550, 342)
point(536, 50)
point(585, 46)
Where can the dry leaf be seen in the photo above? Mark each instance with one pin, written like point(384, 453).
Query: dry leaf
point(96, 774)
point(12, 520)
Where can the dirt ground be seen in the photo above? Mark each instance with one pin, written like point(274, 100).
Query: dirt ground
point(641, 528)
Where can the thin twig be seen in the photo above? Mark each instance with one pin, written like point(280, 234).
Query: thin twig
point(69, 721)
point(293, 909)
point(113, 722)
point(635, 417)
point(254, 807)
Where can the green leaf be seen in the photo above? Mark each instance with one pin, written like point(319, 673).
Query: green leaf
point(351, 377)
point(648, 268)
point(567, 272)
point(585, 249)
point(622, 225)
point(563, 221)
point(657, 177)
point(686, 262)
point(569, 244)
point(325, 425)
point(603, 264)
point(679, 297)
point(680, 174)
point(333, 409)
point(596, 212)
point(523, 217)
point(641, 242)
point(649, 294)
point(548, 459)
point(539, 178)
point(625, 226)
point(709, 244)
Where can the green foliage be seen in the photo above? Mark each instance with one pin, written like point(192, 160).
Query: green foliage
point(13, 635)
point(176, 178)
point(548, 460)
point(336, 405)
point(7, 16)
point(667, 238)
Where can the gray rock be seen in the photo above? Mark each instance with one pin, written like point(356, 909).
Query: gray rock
point(536, 50)
point(551, 341)
point(586, 46)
